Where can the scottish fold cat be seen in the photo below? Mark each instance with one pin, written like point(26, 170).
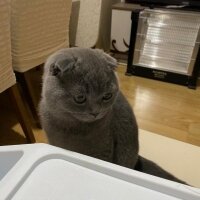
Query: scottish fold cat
point(83, 110)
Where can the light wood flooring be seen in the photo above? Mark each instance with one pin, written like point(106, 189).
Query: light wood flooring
point(163, 108)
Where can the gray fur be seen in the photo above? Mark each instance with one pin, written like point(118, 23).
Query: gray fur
point(112, 135)
point(102, 129)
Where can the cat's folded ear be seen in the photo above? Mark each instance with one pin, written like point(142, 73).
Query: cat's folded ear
point(111, 62)
point(63, 64)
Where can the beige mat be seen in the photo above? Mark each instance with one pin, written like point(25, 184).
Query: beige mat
point(179, 158)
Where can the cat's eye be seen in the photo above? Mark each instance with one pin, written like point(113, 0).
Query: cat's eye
point(107, 96)
point(80, 99)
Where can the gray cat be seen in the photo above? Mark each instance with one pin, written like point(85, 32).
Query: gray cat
point(83, 110)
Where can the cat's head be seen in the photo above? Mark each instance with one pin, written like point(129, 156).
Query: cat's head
point(80, 82)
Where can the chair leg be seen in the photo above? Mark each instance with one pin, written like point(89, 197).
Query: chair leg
point(21, 113)
point(27, 88)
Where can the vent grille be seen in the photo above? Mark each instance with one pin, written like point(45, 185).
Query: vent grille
point(168, 40)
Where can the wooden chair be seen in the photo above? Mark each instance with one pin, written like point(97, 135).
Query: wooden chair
point(38, 29)
point(7, 76)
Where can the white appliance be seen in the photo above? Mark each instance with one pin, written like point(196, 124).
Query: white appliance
point(44, 172)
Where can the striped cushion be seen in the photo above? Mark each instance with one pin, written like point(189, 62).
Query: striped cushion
point(38, 28)
point(7, 77)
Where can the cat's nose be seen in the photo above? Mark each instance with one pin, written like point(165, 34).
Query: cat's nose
point(94, 114)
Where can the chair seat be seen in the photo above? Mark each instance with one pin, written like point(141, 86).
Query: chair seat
point(38, 28)
point(90, 23)
point(7, 77)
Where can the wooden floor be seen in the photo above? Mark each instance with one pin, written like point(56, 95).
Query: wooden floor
point(163, 108)
point(167, 109)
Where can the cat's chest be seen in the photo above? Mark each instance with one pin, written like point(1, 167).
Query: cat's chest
point(93, 141)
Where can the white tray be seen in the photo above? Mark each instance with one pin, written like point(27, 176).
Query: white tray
point(41, 172)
